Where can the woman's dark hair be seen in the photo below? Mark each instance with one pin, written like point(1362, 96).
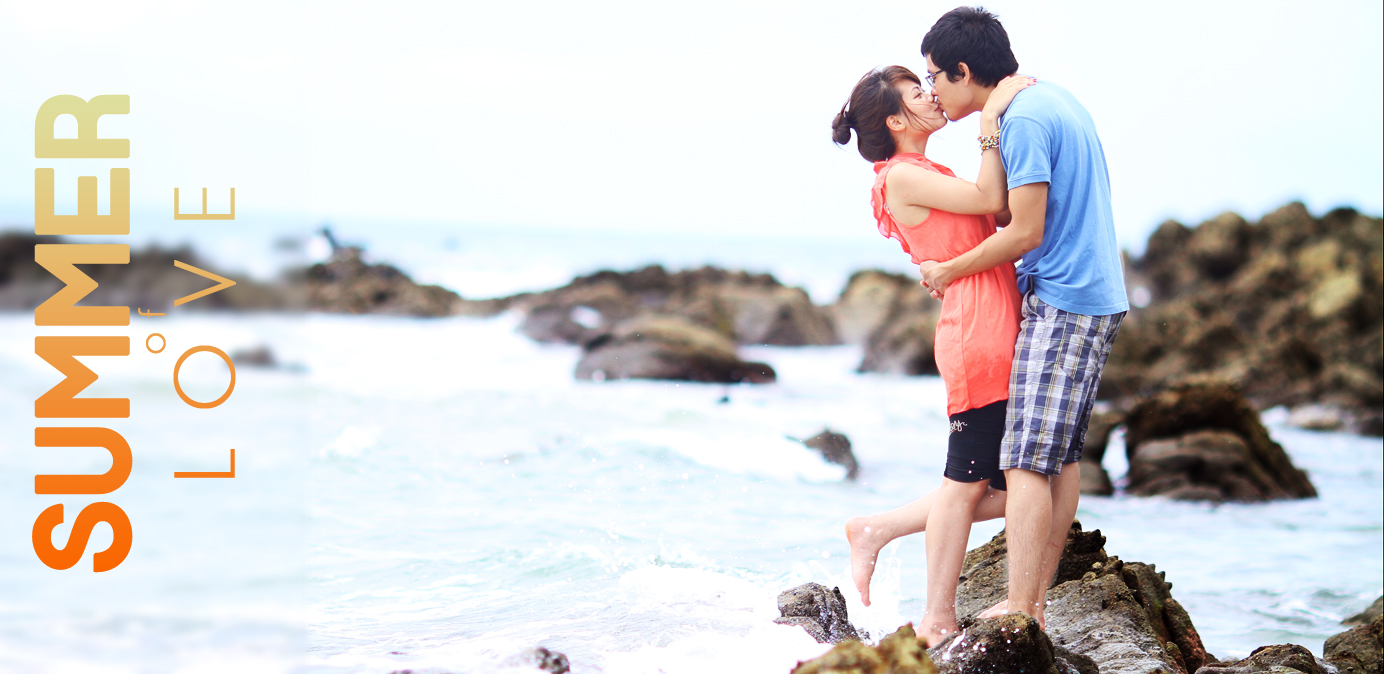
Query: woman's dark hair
point(875, 98)
point(975, 37)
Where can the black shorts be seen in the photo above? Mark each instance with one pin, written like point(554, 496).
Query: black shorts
point(973, 450)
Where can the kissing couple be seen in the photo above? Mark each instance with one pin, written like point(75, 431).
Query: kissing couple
point(1025, 263)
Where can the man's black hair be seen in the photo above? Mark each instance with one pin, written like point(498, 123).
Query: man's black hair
point(975, 37)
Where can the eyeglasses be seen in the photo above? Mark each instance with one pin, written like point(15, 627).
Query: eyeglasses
point(931, 78)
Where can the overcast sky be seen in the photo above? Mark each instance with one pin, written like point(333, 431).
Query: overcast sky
point(703, 116)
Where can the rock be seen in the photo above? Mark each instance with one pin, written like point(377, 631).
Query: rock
point(898, 653)
point(1203, 441)
point(1120, 616)
point(873, 298)
point(1359, 650)
point(259, 356)
point(820, 611)
point(1098, 431)
point(149, 281)
point(903, 346)
point(667, 348)
point(540, 658)
point(1317, 417)
point(1095, 481)
point(835, 448)
point(1283, 659)
point(349, 285)
point(747, 308)
point(1373, 611)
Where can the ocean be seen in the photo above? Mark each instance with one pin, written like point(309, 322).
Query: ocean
point(439, 495)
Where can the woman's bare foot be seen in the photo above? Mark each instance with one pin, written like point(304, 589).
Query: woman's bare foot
point(936, 633)
point(865, 541)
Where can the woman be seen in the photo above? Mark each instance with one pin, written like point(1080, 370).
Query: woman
point(936, 216)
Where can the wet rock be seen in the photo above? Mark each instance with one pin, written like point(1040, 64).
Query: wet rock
point(835, 448)
point(899, 653)
point(1370, 613)
point(1359, 650)
point(820, 611)
point(1203, 441)
point(985, 570)
point(1011, 643)
point(347, 284)
point(667, 348)
point(541, 658)
point(1283, 659)
point(1291, 309)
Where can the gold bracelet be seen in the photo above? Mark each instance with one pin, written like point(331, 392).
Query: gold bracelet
point(990, 141)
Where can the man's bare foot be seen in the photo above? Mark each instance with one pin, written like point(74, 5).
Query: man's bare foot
point(865, 541)
point(1002, 608)
point(995, 611)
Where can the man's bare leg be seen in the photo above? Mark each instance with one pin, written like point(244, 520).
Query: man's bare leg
point(1066, 493)
point(869, 534)
point(1028, 524)
point(948, 530)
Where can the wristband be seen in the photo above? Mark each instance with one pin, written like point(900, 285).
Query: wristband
point(990, 141)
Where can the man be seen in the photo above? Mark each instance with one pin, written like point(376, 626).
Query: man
point(1070, 277)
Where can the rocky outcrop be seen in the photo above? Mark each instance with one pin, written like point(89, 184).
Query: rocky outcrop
point(835, 448)
point(1121, 616)
point(746, 308)
point(1095, 480)
point(347, 284)
point(898, 653)
point(1289, 308)
point(149, 281)
point(1359, 650)
point(820, 611)
point(1203, 441)
point(655, 347)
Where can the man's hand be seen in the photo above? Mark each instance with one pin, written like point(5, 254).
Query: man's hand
point(933, 280)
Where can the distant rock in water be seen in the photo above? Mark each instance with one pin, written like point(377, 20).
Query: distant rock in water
point(667, 348)
point(835, 448)
point(820, 611)
point(1280, 659)
point(346, 284)
point(894, 318)
point(1373, 611)
point(1290, 308)
point(1203, 441)
point(149, 281)
point(259, 356)
point(745, 308)
point(899, 653)
point(540, 658)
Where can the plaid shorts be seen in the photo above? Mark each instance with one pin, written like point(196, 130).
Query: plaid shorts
point(1057, 366)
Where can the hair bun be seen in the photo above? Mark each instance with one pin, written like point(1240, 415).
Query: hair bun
point(841, 128)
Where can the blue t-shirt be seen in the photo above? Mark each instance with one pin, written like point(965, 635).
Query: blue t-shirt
point(1047, 137)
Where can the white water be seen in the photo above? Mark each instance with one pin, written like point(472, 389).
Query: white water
point(465, 499)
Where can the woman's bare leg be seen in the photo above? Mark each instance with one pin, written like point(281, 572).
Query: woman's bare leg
point(948, 530)
point(869, 534)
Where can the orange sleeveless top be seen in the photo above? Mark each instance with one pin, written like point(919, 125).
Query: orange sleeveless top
point(974, 345)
